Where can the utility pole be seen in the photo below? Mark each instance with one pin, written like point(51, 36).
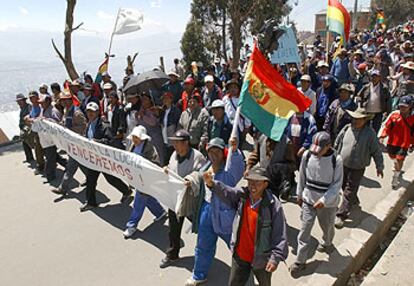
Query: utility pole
point(355, 17)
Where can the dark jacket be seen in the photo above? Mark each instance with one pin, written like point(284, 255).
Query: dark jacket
point(172, 120)
point(103, 135)
point(148, 152)
point(364, 95)
point(225, 129)
point(23, 113)
point(118, 122)
point(337, 117)
point(271, 239)
point(208, 98)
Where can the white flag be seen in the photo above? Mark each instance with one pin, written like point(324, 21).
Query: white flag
point(129, 20)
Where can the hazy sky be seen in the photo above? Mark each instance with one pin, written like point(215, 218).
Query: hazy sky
point(98, 15)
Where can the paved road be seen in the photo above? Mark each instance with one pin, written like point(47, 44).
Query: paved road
point(43, 242)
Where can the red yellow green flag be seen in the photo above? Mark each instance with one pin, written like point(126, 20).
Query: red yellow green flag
point(267, 99)
point(338, 19)
point(102, 68)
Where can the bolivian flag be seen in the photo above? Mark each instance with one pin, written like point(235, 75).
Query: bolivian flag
point(102, 68)
point(338, 19)
point(267, 99)
point(381, 19)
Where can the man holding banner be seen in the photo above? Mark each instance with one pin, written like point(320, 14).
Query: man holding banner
point(97, 131)
point(184, 161)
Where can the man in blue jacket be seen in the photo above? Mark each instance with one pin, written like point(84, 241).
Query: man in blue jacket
point(216, 217)
point(340, 68)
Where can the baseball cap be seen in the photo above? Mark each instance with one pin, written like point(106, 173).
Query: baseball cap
point(93, 106)
point(180, 135)
point(208, 78)
point(216, 142)
point(406, 100)
point(218, 103)
point(107, 86)
point(257, 174)
point(189, 80)
point(319, 141)
point(306, 77)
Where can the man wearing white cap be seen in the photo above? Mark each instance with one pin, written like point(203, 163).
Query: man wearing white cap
point(142, 146)
point(218, 124)
point(305, 88)
point(99, 132)
point(106, 78)
point(210, 91)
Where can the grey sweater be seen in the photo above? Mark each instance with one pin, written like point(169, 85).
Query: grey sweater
point(319, 181)
point(357, 146)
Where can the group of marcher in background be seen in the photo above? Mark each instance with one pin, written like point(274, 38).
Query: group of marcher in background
point(359, 99)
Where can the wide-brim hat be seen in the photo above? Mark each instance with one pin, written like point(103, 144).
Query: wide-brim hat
point(20, 96)
point(348, 87)
point(173, 73)
point(65, 95)
point(360, 113)
point(131, 95)
point(232, 82)
point(218, 103)
point(257, 174)
point(140, 132)
point(408, 65)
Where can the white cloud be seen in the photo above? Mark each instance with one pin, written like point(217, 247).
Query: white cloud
point(156, 3)
point(105, 16)
point(7, 26)
point(23, 11)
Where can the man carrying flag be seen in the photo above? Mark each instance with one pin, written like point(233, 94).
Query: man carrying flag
point(267, 99)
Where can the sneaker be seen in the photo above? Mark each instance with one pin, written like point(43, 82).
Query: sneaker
point(129, 232)
point(192, 282)
point(127, 197)
point(86, 207)
point(166, 261)
point(325, 248)
point(296, 267)
point(164, 215)
point(38, 171)
point(339, 222)
point(395, 183)
point(59, 191)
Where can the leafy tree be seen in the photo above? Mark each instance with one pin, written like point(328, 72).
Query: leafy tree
point(193, 44)
point(238, 17)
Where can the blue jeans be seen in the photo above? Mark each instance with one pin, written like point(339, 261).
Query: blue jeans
point(140, 202)
point(206, 243)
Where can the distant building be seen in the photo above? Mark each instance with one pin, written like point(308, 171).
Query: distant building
point(363, 19)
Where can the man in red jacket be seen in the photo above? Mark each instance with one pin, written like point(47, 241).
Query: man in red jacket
point(399, 128)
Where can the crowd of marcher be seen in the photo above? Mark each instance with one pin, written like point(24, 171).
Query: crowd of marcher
point(361, 99)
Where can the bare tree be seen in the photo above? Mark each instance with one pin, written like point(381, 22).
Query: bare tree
point(67, 58)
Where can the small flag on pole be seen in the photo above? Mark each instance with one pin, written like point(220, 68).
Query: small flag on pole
point(128, 20)
point(267, 99)
point(102, 68)
point(381, 18)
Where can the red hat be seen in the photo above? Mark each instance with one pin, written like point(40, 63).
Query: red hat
point(362, 66)
point(189, 80)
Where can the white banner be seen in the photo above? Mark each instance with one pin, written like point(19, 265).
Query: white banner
point(127, 166)
point(129, 20)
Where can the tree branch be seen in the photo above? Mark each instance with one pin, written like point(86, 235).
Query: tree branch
point(58, 52)
point(77, 27)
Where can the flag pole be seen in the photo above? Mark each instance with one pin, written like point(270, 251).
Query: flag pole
point(113, 32)
point(234, 134)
